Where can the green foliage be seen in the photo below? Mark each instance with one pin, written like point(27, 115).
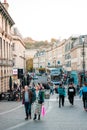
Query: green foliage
point(29, 65)
point(36, 45)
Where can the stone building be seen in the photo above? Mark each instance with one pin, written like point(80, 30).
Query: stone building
point(70, 55)
point(18, 54)
point(6, 62)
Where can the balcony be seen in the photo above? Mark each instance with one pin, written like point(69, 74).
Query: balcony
point(5, 62)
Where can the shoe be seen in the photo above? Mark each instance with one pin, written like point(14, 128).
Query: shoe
point(35, 117)
point(39, 117)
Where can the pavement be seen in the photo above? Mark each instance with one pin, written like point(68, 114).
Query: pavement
point(69, 117)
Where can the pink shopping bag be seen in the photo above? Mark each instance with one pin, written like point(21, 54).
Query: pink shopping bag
point(43, 111)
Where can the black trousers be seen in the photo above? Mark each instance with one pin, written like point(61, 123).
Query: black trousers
point(85, 103)
point(27, 109)
point(61, 100)
point(71, 99)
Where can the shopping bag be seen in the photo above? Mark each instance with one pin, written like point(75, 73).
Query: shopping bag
point(43, 111)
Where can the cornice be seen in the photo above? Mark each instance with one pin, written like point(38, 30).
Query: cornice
point(6, 14)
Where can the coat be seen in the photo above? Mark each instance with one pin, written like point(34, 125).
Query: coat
point(61, 91)
point(71, 91)
point(30, 96)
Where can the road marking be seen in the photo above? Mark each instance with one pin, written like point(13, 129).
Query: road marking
point(18, 125)
point(11, 110)
point(24, 123)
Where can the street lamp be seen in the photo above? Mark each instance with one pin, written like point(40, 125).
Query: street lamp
point(24, 61)
point(83, 53)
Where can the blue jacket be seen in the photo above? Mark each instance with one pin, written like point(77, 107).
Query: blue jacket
point(83, 89)
point(61, 91)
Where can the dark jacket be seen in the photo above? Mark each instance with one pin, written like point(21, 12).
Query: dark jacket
point(71, 91)
point(30, 96)
point(41, 96)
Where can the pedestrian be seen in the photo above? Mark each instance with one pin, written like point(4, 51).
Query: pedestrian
point(71, 93)
point(62, 94)
point(83, 93)
point(51, 88)
point(39, 101)
point(27, 100)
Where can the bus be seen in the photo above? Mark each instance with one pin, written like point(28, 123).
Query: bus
point(53, 71)
point(54, 76)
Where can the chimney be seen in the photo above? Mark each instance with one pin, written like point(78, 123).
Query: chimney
point(6, 5)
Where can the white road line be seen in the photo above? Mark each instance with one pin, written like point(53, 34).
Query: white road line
point(26, 122)
point(2, 113)
point(18, 125)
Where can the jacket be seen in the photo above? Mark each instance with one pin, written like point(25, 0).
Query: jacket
point(71, 91)
point(61, 91)
point(83, 90)
point(30, 96)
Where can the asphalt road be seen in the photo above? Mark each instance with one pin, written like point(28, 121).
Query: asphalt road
point(66, 118)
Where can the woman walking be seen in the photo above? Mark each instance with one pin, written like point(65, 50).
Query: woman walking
point(39, 101)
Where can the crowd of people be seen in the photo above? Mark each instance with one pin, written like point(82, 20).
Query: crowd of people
point(34, 94)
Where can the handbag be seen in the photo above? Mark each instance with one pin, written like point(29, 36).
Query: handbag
point(43, 111)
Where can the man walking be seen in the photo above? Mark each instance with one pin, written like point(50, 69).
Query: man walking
point(27, 100)
point(71, 93)
point(83, 93)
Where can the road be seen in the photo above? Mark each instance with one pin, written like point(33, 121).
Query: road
point(66, 118)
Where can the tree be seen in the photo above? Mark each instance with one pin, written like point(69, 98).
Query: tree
point(29, 65)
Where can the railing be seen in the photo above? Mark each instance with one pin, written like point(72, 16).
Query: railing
point(4, 62)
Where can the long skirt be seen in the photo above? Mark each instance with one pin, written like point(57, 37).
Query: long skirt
point(37, 108)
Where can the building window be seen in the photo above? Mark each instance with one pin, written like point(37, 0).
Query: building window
point(14, 61)
point(0, 47)
point(13, 46)
point(68, 64)
point(4, 47)
point(72, 45)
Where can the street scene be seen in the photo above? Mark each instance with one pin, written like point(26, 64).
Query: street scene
point(68, 117)
point(43, 65)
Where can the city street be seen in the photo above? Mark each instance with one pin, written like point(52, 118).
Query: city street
point(66, 118)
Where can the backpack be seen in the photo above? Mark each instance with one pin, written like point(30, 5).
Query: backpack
point(34, 95)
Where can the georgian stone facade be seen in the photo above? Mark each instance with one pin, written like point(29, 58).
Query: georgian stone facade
point(18, 54)
point(68, 55)
point(12, 49)
point(6, 63)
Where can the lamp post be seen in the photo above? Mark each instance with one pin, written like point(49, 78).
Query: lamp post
point(83, 53)
point(24, 61)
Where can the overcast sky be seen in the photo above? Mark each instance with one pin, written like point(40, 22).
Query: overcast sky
point(46, 19)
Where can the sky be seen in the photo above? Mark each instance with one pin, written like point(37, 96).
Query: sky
point(46, 19)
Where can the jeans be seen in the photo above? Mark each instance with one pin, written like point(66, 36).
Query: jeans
point(27, 109)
